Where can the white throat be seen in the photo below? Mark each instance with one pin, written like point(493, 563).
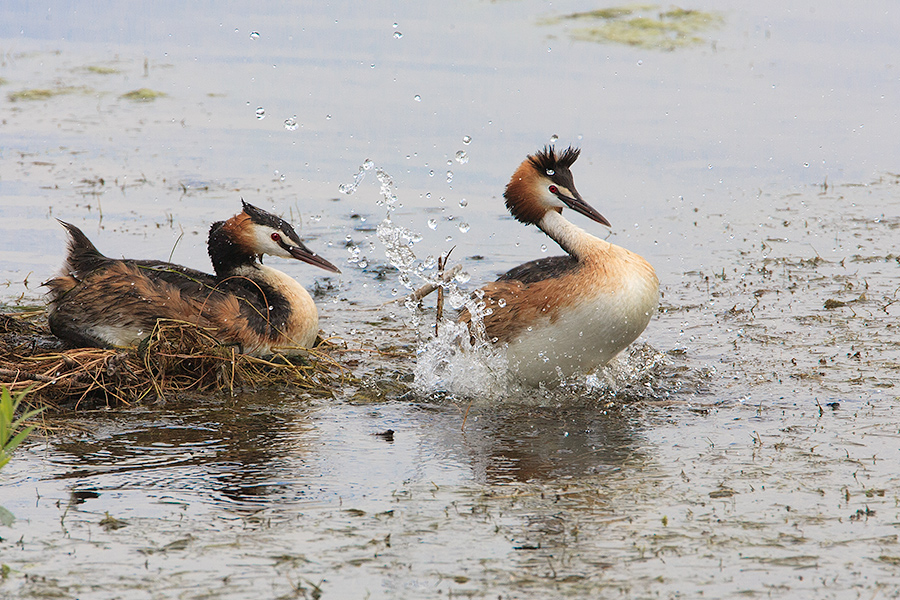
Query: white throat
point(571, 238)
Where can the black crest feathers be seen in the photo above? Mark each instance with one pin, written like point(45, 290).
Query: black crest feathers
point(548, 161)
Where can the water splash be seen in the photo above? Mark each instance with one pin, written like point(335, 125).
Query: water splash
point(455, 359)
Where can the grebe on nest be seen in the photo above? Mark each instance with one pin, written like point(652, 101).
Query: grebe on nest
point(565, 314)
point(109, 302)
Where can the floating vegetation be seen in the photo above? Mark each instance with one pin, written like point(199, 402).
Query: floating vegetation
point(143, 95)
point(176, 358)
point(645, 26)
point(98, 70)
point(43, 93)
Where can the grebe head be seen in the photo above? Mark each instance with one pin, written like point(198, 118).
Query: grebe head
point(254, 232)
point(543, 182)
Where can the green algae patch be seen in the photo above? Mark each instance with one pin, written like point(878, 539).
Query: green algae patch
point(43, 93)
point(143, 95)
point(98, 70)
point(644, 26)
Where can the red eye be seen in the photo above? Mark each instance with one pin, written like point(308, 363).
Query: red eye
point(276, 236)
point(553, 189)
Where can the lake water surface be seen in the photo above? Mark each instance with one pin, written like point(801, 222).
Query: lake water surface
point(746, 446)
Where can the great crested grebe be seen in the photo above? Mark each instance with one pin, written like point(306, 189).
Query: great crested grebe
point(109, 302)
point(565, 314)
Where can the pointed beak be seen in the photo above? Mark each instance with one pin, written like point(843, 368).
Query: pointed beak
point(303, 253)
point(579, 205)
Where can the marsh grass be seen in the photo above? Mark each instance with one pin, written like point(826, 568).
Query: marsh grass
point(176, 359)
point(13, 431)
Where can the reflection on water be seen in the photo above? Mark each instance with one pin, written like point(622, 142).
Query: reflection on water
point(271, 452)
point(551, 444)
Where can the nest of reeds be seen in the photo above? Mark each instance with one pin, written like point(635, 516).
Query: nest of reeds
point(177, 359)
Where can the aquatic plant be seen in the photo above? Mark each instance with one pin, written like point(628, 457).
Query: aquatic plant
point(98, 70)
point(143, 95)
point(43, 93)
point(645, 26)
point(13, 431)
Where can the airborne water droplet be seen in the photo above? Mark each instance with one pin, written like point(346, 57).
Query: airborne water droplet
point(291, 124)
point(417, 98)
point(554, 138)
point(543, 247)
point(501, 302)
point(461, 157)
point(463, 203)
point(260, 113)
point(449, 176)
point(254, 35)
point(432, 223)
point(463, 227)
point(467, 140)
point(397, 35)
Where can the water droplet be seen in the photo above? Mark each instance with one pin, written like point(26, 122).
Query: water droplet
point(363, 263)
point(260, 113)
point(432, 223)
point(397, 35)
point(431, 173)
point(551, 172)
point(449, 176)
point(254, 35)
point(463, 227)
point(396, 25)
point(467, 140)
point(463, 203)
point(417, 98)
point(501, 302)
point(449, 238)
point(640, 62)
point(554, 138)
point(291, 124)
point(327, 117)
point(462, 277)
point(368, 164)
point(806, 165)
point(543, 247)
point(462, 157)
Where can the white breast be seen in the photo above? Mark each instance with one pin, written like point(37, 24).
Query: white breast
point(586, 335)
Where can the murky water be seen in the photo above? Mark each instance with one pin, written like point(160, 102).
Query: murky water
point(745, 447)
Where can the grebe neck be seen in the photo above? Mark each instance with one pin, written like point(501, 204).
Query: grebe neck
point(571, 238)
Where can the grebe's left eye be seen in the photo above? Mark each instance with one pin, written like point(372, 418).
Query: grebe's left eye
point(276, 236)
point(553, 189)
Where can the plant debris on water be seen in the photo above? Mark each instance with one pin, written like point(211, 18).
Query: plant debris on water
point(143, 95)
point(646, 26)
point(44, 93)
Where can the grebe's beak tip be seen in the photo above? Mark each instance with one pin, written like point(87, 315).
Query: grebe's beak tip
point(306, 255)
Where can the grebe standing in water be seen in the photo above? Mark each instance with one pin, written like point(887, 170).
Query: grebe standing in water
point(565, 314)
point(109, 302)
